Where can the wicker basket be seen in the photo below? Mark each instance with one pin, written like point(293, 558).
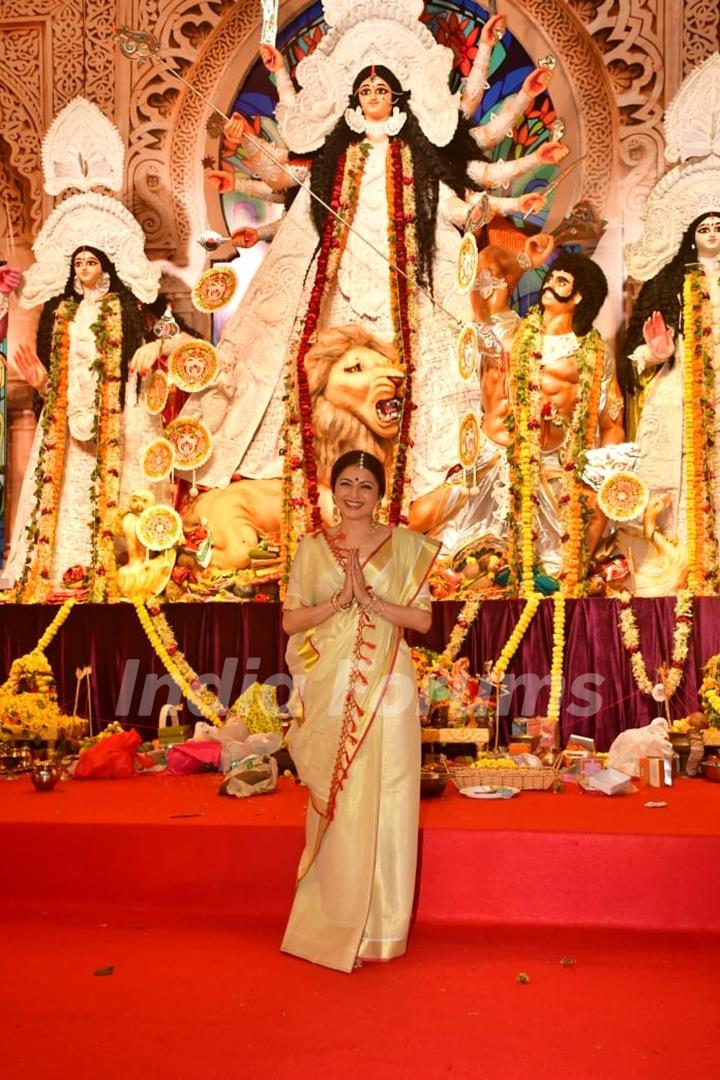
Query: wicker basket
point(524, 778)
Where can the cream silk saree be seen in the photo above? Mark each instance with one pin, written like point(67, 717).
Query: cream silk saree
point(356, 744)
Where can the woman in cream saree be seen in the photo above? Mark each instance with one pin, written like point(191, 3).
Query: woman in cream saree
point(356, 739)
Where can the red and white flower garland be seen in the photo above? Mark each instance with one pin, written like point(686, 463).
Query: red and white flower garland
point(681, 638)
point(300, 466)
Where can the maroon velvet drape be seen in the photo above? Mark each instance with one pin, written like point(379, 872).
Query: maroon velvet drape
point(245, 641)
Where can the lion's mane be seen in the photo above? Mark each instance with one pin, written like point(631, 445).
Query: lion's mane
point(337, 430)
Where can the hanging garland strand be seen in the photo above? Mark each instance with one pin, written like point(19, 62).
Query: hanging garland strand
point(511, 646)
point(166, 648)
point(34, 585)
point(301, 485)
point(530, 413)
point(59, 620)
point(403, 249)
point(681, 638)
point(300, 466)
point(558, 657)
point(465, 620)
point(699, 434)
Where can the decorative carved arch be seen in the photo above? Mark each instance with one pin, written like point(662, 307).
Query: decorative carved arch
point(21, 138)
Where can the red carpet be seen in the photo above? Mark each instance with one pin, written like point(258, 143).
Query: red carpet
point(201, 1001)
point(569, 859)
point(184, 894)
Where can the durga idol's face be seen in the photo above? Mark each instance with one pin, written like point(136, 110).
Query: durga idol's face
point(707, 237)
point(88, 269)
point(375, 97)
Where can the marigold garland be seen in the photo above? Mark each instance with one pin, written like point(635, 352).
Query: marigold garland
point(34, 584)
point(162, 639)
point(28, 698)
point(525, 453)
point(107, 433)
point(403, 293)
point(60, 619)
point(257, 704)
point(558, 656)
point(34, 581)
point(681, 638)
point(699, 433)
point(527, 614)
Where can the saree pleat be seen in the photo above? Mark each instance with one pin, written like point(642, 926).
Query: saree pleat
point(356, 745)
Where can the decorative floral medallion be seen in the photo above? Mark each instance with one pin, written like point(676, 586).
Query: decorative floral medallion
point(214, 288)
point(191, 442)
point(622, 496)
point(467, 351)
point(469, 440)
point(159, 528)
point(158, 459)
point(156, 392)
point(193, 366)
point(467, 263)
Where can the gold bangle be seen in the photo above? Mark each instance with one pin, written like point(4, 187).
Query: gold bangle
point(375, 605)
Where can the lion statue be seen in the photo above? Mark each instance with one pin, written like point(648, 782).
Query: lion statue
point(356, 388)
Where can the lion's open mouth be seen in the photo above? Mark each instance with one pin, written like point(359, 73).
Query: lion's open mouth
point(389, 410)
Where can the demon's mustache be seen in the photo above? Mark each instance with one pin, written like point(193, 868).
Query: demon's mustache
point(560, 299)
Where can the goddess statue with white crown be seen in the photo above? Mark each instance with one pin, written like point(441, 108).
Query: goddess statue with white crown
point(391, 169)
point(93, 351)
point(673, 346)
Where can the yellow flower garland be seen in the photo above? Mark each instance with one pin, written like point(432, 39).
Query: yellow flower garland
point(525, 451)
point(526, 617)
point(211, 712)
point(558, 656)
point(257, 705)
point(708, 692)
point(698, 393)
point(34, 584)
point(61, 617)
point(694, 570)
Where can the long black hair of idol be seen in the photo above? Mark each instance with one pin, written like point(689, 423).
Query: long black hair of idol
point(663, 293)
point(133, 334)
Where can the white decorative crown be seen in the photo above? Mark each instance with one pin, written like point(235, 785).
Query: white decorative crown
point(105, 224)
point(685, 193)
point(692, 188)
point(82, 149)
point(692, 120)
point(380, 32)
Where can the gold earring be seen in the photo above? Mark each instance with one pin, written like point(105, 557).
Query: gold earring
point(336, 518)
